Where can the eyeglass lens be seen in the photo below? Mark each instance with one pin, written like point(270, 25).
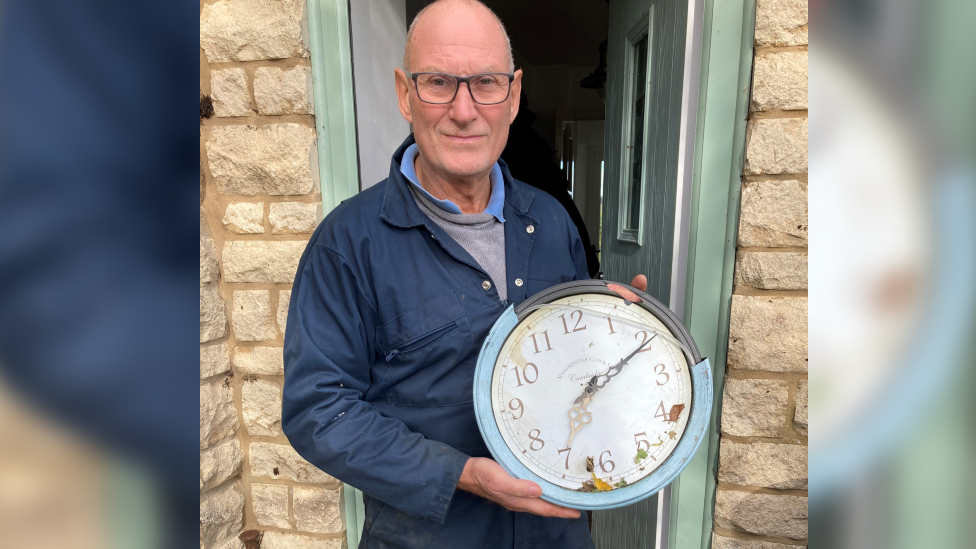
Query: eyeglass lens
point(441, 88)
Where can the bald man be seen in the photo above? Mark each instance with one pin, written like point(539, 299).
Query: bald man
point(399, 287)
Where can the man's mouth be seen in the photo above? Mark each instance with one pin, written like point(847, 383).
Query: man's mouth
point(463, 138)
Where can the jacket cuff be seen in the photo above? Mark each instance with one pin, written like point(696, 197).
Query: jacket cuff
point(446, 493)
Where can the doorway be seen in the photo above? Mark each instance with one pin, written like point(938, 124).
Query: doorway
point(610, 102)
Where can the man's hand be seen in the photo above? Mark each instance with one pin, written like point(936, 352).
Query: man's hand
point(484, 477)
point(639, 282)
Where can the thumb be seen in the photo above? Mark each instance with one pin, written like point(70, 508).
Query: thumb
point(639, 282)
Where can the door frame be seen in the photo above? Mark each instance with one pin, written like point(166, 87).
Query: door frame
point(708, 209)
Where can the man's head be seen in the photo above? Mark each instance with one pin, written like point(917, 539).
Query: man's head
point(461, 37)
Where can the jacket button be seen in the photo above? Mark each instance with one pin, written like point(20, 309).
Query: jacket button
point(486, 285)
point(530, 229)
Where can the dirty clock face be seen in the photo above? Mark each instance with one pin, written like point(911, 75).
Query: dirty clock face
point(590, 394)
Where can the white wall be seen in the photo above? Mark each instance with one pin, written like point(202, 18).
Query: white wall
point(379, 33)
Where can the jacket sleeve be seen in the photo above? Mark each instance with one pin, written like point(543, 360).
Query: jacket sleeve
point(329, 351)
point(578, 252)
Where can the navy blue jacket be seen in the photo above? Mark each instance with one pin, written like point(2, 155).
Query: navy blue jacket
point(387, 317)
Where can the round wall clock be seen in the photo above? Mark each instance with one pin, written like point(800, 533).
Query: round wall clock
point(599, 400)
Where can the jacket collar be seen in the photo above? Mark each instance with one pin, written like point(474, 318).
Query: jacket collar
point(401, 210)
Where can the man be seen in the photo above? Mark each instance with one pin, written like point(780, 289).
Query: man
point(399, 287)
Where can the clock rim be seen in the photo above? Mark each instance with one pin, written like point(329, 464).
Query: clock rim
point(700, 409)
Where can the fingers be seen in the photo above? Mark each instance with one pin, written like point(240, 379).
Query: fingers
point(624, 292)
point(546, 509)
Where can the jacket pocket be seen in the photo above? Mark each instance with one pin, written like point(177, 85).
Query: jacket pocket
point(425, 349)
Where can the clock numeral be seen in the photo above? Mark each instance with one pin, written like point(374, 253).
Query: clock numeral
point(567, 450)
point(642, 340)
point(642, 441)
point(536, 343)
point(536, 439)
point(512, 407)
point(661, 372)
point(525, 373)
point(576, 328)
point(611, 325)
point(603, 464)
point(661, 413)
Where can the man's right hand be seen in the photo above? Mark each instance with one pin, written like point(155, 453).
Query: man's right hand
point(487, 479)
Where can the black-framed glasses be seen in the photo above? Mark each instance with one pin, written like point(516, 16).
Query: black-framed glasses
point(440, 88)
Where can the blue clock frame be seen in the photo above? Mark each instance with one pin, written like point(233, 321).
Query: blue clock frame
point(701, 411)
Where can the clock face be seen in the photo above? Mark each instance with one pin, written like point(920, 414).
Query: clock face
point(636, 418)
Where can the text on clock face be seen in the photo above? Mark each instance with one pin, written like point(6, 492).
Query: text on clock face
point(587, 396)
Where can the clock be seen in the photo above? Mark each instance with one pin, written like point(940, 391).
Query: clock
point(599, 400)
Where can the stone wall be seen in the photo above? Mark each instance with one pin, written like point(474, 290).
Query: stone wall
point(761, 502)
point(260, 203)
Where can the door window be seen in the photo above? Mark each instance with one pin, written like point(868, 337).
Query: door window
point(632, 183)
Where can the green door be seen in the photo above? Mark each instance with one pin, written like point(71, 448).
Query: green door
point(646, 65)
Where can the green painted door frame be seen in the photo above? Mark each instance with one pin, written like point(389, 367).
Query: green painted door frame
point(723, 99)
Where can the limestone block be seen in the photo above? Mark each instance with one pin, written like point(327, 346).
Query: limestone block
point(279, 461)
point(250, 30)
point(781, 23)
point(214, 359)
point(277, 159)
point(768, 333)
point(774, 146)
point(220, 463)
point(278, 91)
point(270, 505)
point(260, 261)
point(800, 416)
point(208, 252)
point(285, 540)
point(213, 318)
point(221, 515)
point(762, 514)
point(720, 542)
point(232, 543)
point(244, 218)
point(284, 297)
point(317, 510)
point(261, 407)
point(779, 81)
point(252, 315)
point(293, 217)
point(218, 418)
point(228, 89)
point(780, 466)
point(754, 407)
point(771, 270)
point(774, 214)
point(267, 361)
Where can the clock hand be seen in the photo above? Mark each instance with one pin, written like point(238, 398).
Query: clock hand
point(578, 414)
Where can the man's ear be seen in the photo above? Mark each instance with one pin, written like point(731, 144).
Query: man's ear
point(516, 94)
point(403, 94)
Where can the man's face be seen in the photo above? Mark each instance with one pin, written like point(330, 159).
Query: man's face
point(461, 138)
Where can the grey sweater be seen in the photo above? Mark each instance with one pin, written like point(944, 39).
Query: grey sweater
point(480, 234)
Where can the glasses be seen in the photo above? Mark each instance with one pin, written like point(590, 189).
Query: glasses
point(439, 88)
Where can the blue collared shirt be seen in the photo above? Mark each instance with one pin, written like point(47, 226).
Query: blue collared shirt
point(496, 201)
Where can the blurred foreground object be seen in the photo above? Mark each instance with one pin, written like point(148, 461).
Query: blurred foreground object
point(98, 199)
point(892, 202)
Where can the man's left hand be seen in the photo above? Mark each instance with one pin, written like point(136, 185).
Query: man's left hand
point(639, 282)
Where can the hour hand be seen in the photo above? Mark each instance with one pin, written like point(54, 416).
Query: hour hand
point(578, 416)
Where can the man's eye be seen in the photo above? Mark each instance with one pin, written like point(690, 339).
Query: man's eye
point(438, 82)
point(486, 81)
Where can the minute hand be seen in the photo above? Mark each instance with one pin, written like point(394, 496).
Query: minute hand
point(598, 381)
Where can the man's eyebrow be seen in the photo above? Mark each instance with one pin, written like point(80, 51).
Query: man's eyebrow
point(482, 70)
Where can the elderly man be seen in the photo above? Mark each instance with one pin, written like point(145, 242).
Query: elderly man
point(399, 287)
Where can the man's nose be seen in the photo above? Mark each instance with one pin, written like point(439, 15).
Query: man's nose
point(463, 108)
